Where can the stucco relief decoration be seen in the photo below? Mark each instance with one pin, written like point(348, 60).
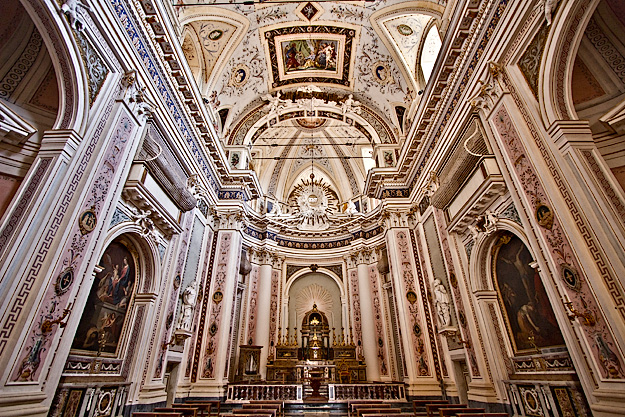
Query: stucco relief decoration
point(355, 296)
point(49, 315)
point(239, 75)
point(273, 307)
point(253, 309)
point(173, 300)
point(224, 248)
point(71, 9)
point(377, 317)
point(406, 257)
point(377, 71)
point(606, 352)
point(252, 61)
point(457, 297)
point(313, 294)
point(96, 69)
point(213, 37)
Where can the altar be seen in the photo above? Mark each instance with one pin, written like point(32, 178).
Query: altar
point(336, 361)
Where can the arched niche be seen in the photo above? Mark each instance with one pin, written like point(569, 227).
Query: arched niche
point(490, 315)
point(126, 268)
point(306, 289)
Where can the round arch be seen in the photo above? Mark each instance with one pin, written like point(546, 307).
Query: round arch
point(149, 268)
point(338, 312)
point(556, 69)
point(64, 52)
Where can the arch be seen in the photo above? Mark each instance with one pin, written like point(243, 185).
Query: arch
point(556, 68)
point(150, 266)
point(190, 49)
point(480, 271)
point(68, 65)
point(249, 124)
point(319, 295)
point(305, 271)
point(125, 267)
point(378, 18)
point(188, 15)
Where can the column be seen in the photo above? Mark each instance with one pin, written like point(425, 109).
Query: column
point(264, 309)
point(369, 339)
point(409, 303)
point(215, 356)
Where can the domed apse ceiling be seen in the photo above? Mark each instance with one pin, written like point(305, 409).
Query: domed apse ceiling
point(311, 87)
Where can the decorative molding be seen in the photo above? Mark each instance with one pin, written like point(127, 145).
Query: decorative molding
point(21, 67)
point(13, 129)
point(599, 336)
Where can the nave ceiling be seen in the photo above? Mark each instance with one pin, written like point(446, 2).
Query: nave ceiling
point(312, 87)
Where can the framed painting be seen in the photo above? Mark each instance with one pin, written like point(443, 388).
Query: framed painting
point(102, 321)
point(530, 319)
point(312, 54)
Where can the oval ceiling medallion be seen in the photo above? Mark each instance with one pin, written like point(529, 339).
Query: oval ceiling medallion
point(405, 30)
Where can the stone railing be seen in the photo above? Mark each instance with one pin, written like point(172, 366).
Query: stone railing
point(255, 392)
point(387, 392)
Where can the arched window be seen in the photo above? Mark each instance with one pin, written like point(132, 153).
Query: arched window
point(431, 47)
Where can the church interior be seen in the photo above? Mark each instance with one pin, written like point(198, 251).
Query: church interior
point(317, 204)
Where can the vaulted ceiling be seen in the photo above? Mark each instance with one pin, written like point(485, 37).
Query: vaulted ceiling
point(312, 87)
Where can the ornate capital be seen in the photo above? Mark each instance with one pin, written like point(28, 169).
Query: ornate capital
point(134, 96)
point(491, 89)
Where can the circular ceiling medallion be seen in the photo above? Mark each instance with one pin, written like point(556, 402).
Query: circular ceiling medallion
point(405, 30)
point(311, 122)
point(239, 75)
point(382, 73)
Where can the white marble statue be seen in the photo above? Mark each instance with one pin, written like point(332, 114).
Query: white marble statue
point(442, 303)
point(351, 208)
point(350, 105)
point(189, 296)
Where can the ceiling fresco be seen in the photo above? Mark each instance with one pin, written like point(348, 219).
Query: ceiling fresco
point(312, 85)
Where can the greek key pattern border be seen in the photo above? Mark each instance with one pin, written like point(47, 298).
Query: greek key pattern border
point(19, 299)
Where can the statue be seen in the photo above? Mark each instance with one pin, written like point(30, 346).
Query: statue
point(350, 105)
point(188, 303)
point(442, 303)
point(351, 208)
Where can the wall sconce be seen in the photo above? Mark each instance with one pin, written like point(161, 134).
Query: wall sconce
point(587, 317)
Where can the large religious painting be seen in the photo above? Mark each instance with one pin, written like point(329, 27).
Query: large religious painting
point(103, 319)
point(314, 54)
point(531, 322)
point(309, 55)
